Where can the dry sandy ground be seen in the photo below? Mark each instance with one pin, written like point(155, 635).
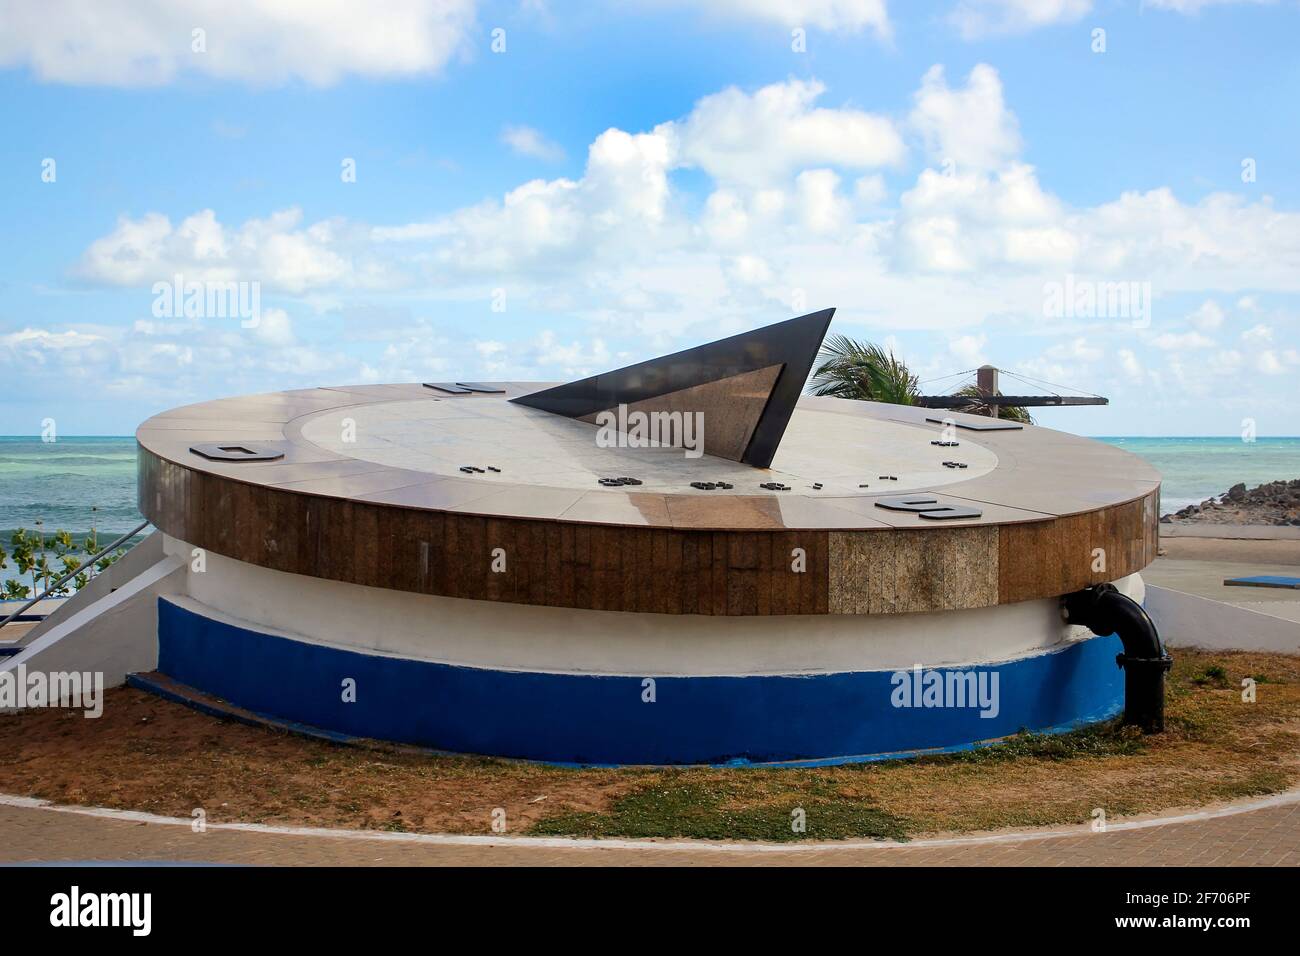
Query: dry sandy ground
point(1235, 551)
point(149, 754)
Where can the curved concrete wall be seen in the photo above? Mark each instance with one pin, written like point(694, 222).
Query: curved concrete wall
point(605, 719)
point(584, 686)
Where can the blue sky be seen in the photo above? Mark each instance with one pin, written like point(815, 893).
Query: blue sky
point(628, 179)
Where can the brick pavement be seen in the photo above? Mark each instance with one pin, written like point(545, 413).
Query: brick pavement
point(1263, 832)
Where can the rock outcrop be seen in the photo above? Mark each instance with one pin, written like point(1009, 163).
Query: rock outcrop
point(1276, 503)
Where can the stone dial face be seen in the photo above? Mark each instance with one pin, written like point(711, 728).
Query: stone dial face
point(531, 447)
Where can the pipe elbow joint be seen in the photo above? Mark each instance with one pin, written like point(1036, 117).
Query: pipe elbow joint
point(1105, 610)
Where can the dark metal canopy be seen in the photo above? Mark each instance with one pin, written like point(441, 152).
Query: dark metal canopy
point(988, 398)
point(962, 401)
point(788, 347)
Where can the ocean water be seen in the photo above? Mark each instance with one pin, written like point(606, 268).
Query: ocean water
point(59, 484)
point(1194, 469)
point(76, 483)
point(73, 484)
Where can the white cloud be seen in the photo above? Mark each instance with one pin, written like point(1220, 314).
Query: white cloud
point(1131, 366)
point(543, 357)
point(527, 141)
point(274, 328)
point(624, 245)
point(1182, 341)
point(169, 362)
point(820, 205)
point(725, 219)
point(969, 221)
point(870, 190)
point(31, 347)
point(575, 358)
point(1192, 7)
point(764, 137)
point(275, 251)
point(748, 270)
point(849, 15)
point(1221, 242)
point(544, 225)
point(1257, 335)
point(1208, 316)
point(980, 18)
point(1228, 360)
point(968, 350)
point(151, 42)
point(620, 212)
point(1043, 369)
point(969, 127)
point(1268, 364)
point(1077, 350)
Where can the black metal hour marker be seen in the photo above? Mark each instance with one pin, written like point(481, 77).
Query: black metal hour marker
point(929, 506)
point(464, 388)
point(711, 485)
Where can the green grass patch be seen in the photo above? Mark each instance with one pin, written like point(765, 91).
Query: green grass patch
point(728, 811)
point(1099, 740)
point(758, 804)
point(1212, 676)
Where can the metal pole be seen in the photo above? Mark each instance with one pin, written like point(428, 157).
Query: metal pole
point(986, 380)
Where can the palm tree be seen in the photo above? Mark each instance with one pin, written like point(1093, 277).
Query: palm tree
point(868, 372)
point(863, 371)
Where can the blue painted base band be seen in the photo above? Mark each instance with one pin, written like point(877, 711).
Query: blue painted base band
point(583, 718)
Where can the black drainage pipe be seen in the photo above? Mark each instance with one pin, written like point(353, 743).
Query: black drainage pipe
point(1103, 609)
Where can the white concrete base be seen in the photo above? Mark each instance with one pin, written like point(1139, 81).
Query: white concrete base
point(140, 558)
point(112, 628)
point(516, 637)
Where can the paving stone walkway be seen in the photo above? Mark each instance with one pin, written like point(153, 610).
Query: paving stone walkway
point(1254, 833)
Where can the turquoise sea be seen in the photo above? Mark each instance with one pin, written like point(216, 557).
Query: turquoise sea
point(1193, 469)
point(75, 483)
